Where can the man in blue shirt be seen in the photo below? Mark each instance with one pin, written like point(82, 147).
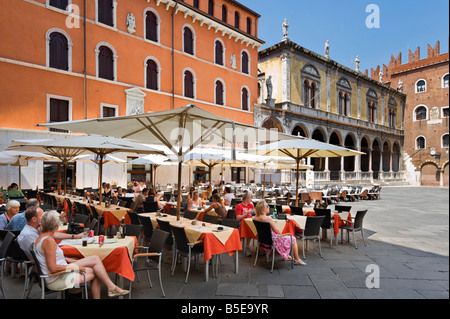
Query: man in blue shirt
point(19, 221)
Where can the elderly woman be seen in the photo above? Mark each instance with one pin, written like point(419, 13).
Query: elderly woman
point(52, 260)
point(12, 208)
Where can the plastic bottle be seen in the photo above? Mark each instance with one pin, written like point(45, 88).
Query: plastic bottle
point(274, 212)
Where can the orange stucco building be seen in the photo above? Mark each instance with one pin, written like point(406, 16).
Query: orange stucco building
point(75, 59)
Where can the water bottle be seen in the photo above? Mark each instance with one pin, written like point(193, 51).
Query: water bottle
point(274, 212)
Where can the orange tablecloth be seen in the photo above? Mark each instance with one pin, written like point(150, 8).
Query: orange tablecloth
point(118, 261)
point(213, 246)
point(291, 227)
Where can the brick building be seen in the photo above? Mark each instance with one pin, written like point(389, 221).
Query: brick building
point(309, 94)
point(101, 58)
point(426, 83)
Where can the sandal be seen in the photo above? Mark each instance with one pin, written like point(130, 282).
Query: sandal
point(299, 262)
point(116, 292)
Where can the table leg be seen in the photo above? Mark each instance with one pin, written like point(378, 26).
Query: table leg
point(236, 261)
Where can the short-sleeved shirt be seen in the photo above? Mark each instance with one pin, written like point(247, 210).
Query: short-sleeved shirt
point(15, 193)
point(244, 210)
point(18, 222)
point(27, 236)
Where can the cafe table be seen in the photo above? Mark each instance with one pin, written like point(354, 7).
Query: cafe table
point(215, 241)
point(285, 226)
point(115, 254)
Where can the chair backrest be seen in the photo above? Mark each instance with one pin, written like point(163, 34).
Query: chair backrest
point(165, 226)
point(296, 210)
point(279, 209)
point(93, 225)
point(264, 232)
point(231, 214)
point(82, 219)
point(341, 208)
point(134, 230)
point(134, 218)
point(210, 219)
point(312, 226)
point(84, 209)
point(157, 241)
point(359, 218)
point(133, 206)
point(6, 243)
point(94, 212)
point(180, 238)
point(326, 213)
point(146, 222)
point(167, 196)
point(190, 214)
point(173, 211)
point(230, 222)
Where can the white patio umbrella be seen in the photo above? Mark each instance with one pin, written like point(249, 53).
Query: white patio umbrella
point(154, 160)
point(69, 148)
point(20, 158)
point(300, 148)
point(180, 130)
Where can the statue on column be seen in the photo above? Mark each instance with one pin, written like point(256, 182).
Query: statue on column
point(269, 87)
point(285, 30)
point(357, 63)
point(327, 49)
point(400, 86)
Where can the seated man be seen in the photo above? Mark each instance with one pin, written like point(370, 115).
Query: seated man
point(14, 191)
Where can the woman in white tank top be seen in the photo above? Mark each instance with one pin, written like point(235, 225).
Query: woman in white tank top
point(52, 260)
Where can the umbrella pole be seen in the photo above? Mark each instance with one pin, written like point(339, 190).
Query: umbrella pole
point(296, 182)
point(65, 177)
point(100, 173)
point(180, 166)
point(20, 177)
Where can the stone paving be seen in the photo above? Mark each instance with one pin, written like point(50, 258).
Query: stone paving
point(407, 233)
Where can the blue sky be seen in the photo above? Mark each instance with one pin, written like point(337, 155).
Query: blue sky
point(404, 24)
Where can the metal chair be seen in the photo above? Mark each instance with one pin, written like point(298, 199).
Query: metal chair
point(190, 215)
point(341, 208)
point(147, 225)
point(230, 222)
point(326, 224)
point(134, 218)
point(210, 219)
point(154, 253)
point(296, 210)
point(81, 219)
point(185, 248)
point(312, 231)
point(357, 226)
point(6, 243)
point(44, 289)
point(265, 240)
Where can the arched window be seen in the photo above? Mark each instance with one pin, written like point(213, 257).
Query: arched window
point(188, 40)
point(224, 13)
point(445, 81)
point(372, 106)
point(421, 86)
point(245, 62)
point(249, 26)
point(105, 12)
point(211, 7)
point(218, 52)
point(420, 113)
point(106, 63)
point(237, 19)
point(58, 51)
point(310, 84)
point(420, 143)
point(245, 99)
point(151, 26)
point(219, 92)
point(445, 140)
point(152, 75)
point(189, 87)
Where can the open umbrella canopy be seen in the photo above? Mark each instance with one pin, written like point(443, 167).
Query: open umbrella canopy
point(300, 148)
point(69, 148)
point(95, 159)
point(21, 158)
point(180, 130)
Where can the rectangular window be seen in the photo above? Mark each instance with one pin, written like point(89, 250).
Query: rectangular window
point(59, 112)
point(109, 111)
point(60, 4)
point(106, 12)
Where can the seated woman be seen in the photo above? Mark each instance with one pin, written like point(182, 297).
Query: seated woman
point(281, 241)
point(191, 192)
point(195, 202)
point(52, 259)
point(218, 206)
point(153, 198)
